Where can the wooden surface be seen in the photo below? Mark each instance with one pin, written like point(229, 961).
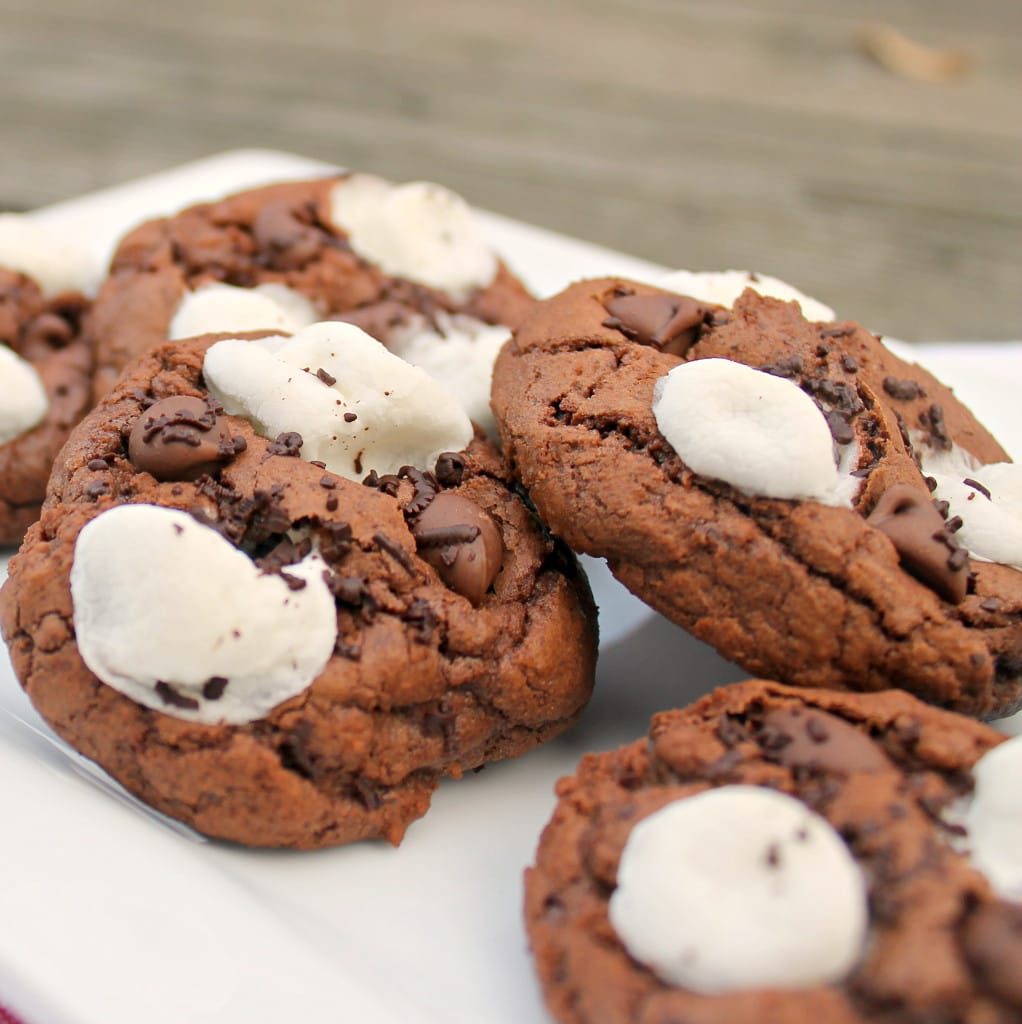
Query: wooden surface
point(698, 133)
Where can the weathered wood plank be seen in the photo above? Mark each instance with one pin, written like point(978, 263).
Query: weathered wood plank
point(705, 133)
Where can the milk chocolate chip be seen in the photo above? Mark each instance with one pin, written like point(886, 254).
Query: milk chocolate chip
point(809, 738)
point(927, 549)
point(461, 542)
point(668, 322)
point(180, 438)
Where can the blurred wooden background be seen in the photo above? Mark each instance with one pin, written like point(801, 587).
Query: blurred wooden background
point(698, 133)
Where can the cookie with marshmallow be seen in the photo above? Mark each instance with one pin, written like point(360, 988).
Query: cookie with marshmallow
point(282, 586)
point(46, 361)
point(787, 489)
point(781, 855)
point(281, 257)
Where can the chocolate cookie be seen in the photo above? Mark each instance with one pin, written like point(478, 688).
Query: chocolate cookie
point(46, 367)
point(287, 255)
point(791, 492)
point(777, 855)
point(288, 636)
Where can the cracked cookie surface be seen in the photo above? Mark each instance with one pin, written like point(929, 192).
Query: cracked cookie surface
point(422, 682)
point(884, 770)
point(800, 590)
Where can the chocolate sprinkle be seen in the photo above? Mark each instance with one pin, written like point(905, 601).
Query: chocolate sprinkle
point(287, 444)
point(977, 486)
point(327, 378)
point(173, 699)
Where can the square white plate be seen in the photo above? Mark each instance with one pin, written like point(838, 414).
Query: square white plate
point(111, 915)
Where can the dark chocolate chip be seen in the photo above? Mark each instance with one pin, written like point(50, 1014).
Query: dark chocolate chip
point(461, 542)
point(173, 699)
point(180, 438)
point(819, 740)
point(214, 687)
point(920, 536)
point(670, 323)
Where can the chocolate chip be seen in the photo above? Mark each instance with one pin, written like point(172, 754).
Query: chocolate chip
point(821, 741)
point(328, 379)
point(904, 390)
point(920, 536)
point(790, 366)
point(331, 503)
point(180, 438)
point(849, 364)
point(461, 542)
point(669, 323)
point(992, 604)
point(450, 468)
point(350, 417)
point(97, 465)
point(97, 489)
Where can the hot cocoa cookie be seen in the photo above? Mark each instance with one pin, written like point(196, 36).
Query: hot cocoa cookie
point(46, 363)
point(789, 491)
point(284, 256)
point(777, 855)
point(283, 623)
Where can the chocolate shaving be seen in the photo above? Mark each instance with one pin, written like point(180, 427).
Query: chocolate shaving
point(450, 468)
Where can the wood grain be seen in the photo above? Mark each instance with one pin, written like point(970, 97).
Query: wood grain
point(698, 133)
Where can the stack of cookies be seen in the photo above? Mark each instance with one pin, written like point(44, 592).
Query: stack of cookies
point(309, 547)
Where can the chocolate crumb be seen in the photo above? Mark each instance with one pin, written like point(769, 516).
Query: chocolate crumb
point(327, 378)
point(214, 687)
point(287, 444)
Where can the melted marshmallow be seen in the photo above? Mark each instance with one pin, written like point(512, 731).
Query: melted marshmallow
point(993, 819)
point(420, 231)
point(991, 526)
point(459, 351)
point(757, 432)
point(166, 610)
point(23, 400)
point(216, 308)
point(723, 287)
point(56, 263)
point(367, 410)
point(740, 888)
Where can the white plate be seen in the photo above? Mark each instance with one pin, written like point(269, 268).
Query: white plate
point(111, 915)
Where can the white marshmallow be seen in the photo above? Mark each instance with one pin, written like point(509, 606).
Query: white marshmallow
point(724, 286)
point(420, 231)
point(994, 818)
point(403, 416)
point(160, 598)
point(216, 308)
point(757, 432)
point(459, 351)
point(55, 262)
point(991, 527)
point(740, 888)
point(23, 400)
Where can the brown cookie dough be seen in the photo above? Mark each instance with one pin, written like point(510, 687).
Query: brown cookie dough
point(433, 673)
point(47, 333)
point(276, 234)
point(880, 768)
point(809, 593)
